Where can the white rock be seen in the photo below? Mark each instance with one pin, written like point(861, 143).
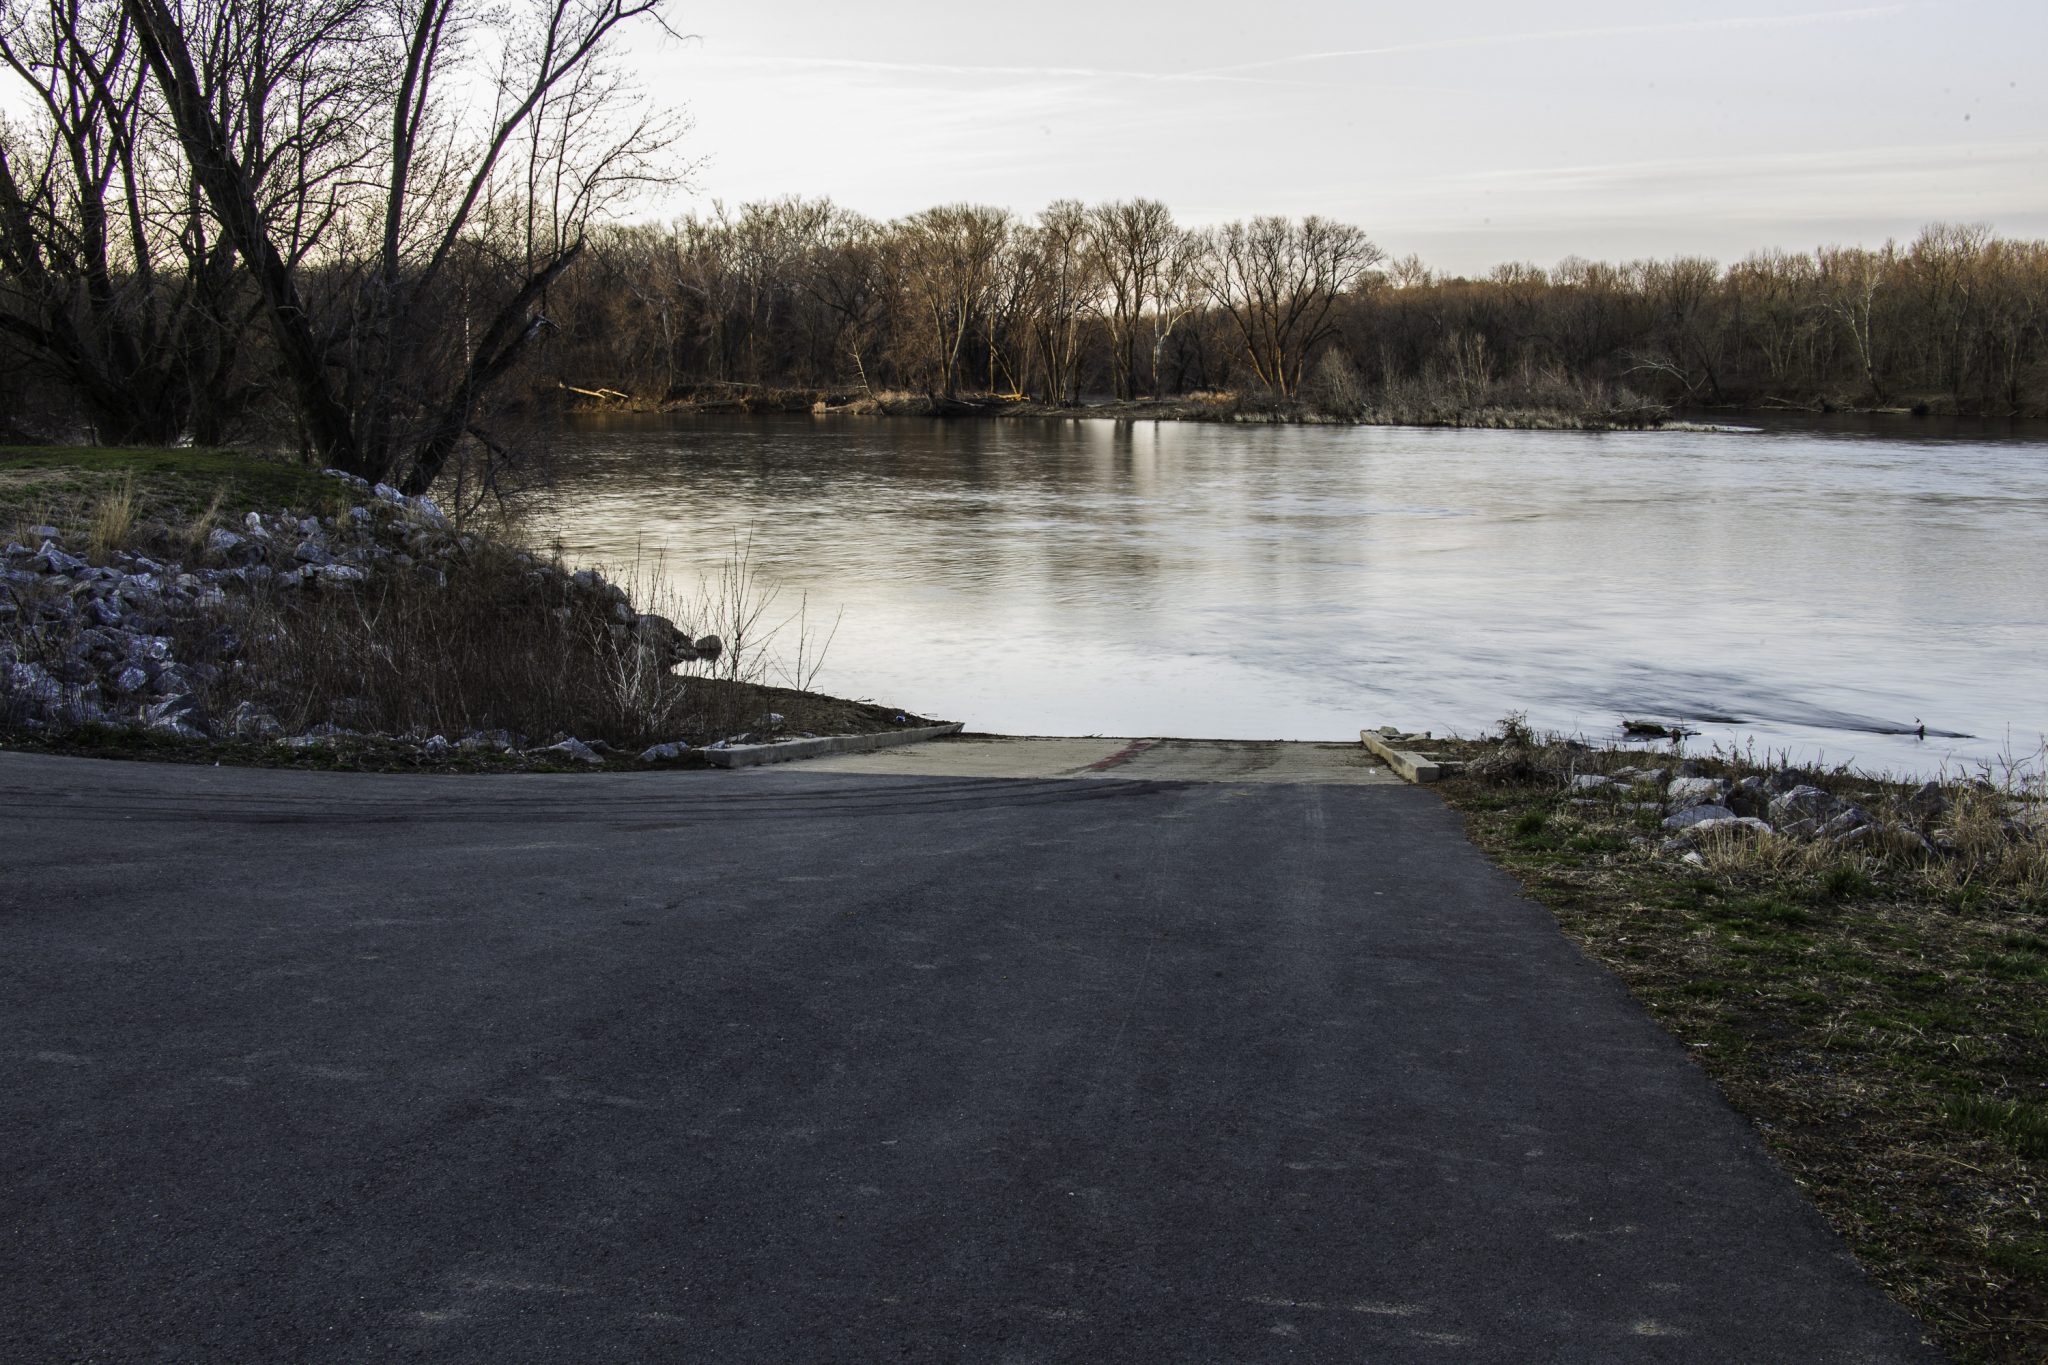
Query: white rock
point(32, 682)
point(1847, 822)
point(250, 721)
point(573, 749)
point(58, 561)
point(1695, 791)
point(1698, 815)
point(1739, 824)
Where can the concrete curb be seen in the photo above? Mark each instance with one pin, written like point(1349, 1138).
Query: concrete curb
point(1414, 766)
point(789, 750)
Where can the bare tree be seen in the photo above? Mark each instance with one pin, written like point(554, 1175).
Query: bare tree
point(472, 210)
point(1067, 280)
point(1851, 280)
point(114, 279)
point(1128, 239)
point(1279, 281)
point(1175, 293)
point(947, 262)
point(847, 272)
point(1683, 342)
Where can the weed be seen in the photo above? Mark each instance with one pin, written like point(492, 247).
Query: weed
point(1844, 883)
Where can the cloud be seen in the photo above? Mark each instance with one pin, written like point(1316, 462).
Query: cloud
point(1732, 23)
point(1914, 183)
point(971, 71)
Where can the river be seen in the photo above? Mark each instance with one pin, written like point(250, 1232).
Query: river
point(1817, 589)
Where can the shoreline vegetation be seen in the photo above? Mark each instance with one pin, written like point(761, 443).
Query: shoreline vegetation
point(1511, 413)
point(1858, 963)
point(206, 606)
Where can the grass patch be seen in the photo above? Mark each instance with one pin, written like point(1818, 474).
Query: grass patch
point(1877, 1011)
point(1844, 883)
point(88, 492)
point(2019, 1124)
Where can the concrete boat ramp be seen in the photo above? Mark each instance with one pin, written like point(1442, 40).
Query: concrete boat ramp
point(1095, 756)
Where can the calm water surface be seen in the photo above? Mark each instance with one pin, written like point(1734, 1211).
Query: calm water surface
point(1806, 589)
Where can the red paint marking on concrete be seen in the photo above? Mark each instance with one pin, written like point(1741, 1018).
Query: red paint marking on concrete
point(1123, 755)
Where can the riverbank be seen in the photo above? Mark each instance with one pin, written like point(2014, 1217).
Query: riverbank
point(1417, 406)
point(215, 607)
point(1219, 407)
point(1857, 963)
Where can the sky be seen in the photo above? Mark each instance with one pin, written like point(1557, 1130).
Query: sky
point(1468, 132)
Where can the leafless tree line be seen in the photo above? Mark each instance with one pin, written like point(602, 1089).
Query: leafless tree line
point(381, 225)
point(1116, 299)
point(963, 297)
point(1956, 320)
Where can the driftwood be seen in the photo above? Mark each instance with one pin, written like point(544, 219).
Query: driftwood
point(607, 395)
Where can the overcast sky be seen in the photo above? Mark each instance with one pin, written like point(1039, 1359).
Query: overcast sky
point(1467, 131)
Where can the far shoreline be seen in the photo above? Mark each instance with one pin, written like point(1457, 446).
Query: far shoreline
point(1225, 409)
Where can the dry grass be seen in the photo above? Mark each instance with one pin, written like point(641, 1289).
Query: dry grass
point(64, 486)
point(112, 518)
point(1879, 1011)
point(192, 539)
point(506, 646)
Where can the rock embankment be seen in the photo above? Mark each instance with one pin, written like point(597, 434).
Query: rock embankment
point(1693, 807)
point(158, 644)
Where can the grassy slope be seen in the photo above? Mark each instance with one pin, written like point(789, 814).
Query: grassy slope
point(61, 484)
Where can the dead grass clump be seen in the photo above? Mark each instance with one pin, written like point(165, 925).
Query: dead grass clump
point(193, 535)
point(503, 646)
point(112, 519)
point(1990, 839)
point(1521, 758)
point(511, 643)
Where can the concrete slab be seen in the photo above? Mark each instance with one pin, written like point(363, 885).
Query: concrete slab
point(1154, 760)
point(1407, 762)
point(793, 750)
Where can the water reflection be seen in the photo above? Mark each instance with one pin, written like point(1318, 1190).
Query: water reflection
point(1086, 577)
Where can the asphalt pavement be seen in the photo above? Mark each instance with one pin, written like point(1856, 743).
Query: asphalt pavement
point(793, 1065)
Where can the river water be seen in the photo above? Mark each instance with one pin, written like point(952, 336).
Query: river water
point(1817, 589)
